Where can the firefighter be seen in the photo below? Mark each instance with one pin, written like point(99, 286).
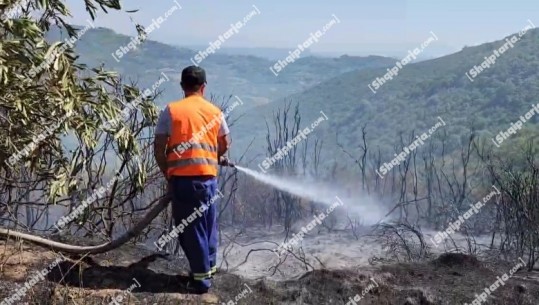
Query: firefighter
point(191, 140)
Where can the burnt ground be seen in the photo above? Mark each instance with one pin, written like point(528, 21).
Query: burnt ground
point(449, 279)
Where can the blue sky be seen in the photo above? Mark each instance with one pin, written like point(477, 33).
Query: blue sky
point(365, 27)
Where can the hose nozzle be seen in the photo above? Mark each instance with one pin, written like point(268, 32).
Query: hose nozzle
point(223, 161)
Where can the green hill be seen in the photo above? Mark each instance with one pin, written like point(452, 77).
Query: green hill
point(418, 95)
point(339, 86)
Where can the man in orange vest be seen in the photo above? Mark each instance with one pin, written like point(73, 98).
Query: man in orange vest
point(191, 140)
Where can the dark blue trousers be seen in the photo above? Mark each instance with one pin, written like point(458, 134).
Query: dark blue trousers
point(194, 210)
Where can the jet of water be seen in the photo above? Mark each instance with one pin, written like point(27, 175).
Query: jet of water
point(367, 208)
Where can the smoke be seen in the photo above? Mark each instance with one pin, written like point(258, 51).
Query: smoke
point(366, 208)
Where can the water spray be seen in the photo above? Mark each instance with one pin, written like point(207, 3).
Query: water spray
point(363, 206)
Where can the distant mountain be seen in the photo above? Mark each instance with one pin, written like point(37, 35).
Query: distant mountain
point(247, 76)
point(393, 50)
point(266, 53)
point(419, 94)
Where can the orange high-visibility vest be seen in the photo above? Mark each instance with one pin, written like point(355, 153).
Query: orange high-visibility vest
point(192, 145)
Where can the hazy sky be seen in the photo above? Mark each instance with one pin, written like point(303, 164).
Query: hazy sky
point(364, 25)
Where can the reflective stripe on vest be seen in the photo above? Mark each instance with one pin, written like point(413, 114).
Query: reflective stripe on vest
point(193, 161)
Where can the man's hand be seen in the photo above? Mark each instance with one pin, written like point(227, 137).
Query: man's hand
point(223, 161)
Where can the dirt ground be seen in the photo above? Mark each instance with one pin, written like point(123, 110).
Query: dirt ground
point(142, 277)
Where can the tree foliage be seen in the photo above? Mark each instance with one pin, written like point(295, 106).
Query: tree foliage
point(48, 99)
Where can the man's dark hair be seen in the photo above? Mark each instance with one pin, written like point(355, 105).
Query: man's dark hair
point(193, 78)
